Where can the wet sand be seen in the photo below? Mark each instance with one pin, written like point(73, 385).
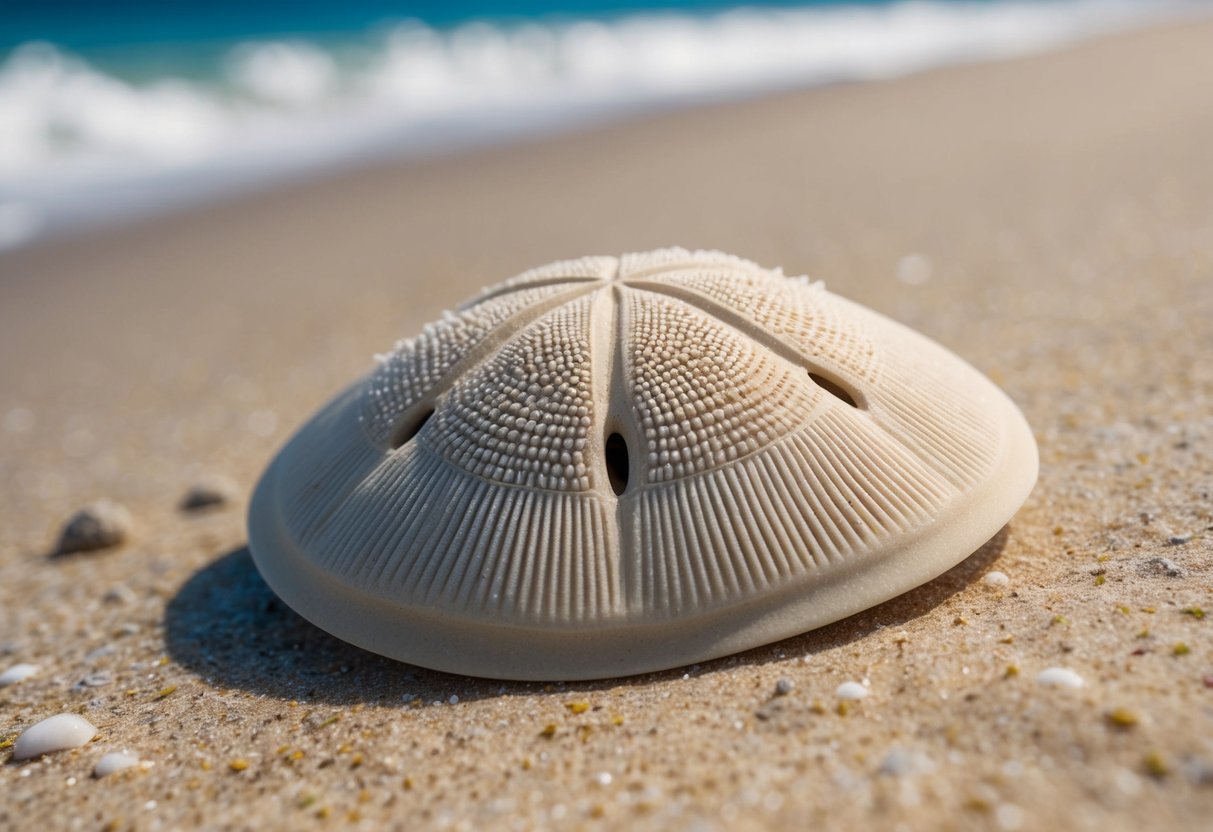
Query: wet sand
point(1049, 219)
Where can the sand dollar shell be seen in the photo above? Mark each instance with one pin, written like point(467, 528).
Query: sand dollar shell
point(616, 465)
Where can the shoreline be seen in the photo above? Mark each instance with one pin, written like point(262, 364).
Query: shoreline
point(352, 121)
point(1046, 218)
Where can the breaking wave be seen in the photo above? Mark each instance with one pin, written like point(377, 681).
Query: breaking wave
point(83, 144)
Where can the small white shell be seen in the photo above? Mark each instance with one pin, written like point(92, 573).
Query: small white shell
point(851, 691)
point(114, 762)
point(1060, 677)
point(996, 579)
point(616, 465)
point(17, 673)
point(56, 733)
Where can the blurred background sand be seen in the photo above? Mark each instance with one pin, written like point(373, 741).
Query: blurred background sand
point(1049, 218)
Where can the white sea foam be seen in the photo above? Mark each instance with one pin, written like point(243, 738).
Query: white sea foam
point(80, 146)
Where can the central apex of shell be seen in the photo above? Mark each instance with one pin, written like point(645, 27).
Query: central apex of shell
point(603, 374)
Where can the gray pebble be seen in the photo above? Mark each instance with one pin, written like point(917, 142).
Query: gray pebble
point(99, 652)
point(96, 526)
point(119, 594)
point(1164, 567)
point(209, 492)
point(1199, 772)
point(897, 763)
point(1179, 539)
point(784, 686)
point(95, 680)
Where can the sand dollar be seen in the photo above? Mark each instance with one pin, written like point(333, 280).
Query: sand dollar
point(615, 465)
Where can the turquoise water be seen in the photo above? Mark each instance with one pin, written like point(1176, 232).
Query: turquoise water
point(88, 26)
point(114, 109)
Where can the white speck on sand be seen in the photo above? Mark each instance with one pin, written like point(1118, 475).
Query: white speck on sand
point(996, 579)
point(17, 673)
point(1128, 782)
point(1060, 677)
point(115, 762)
point(851, 690)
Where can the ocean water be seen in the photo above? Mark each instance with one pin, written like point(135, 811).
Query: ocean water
point(113, 110)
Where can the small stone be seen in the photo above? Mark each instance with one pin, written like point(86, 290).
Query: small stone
point(996, 579)
point(784, 686)
point(1060, 677)
point(100, 652)
point(17, 673)
point(115, 762)
point(95, 680)
point(897, 763)
point(56, 733)
point(1164, 567)
point(209, 492)
point(119, 594)
point(96, 526)
point(1179, 539)
point(851, 690)
point(1199, 772)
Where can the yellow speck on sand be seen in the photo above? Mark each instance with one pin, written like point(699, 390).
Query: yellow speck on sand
point(1155, 765)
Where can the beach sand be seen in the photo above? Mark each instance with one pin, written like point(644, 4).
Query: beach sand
point(1050, 219)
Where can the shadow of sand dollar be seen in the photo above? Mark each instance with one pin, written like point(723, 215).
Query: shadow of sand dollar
point(228, 626)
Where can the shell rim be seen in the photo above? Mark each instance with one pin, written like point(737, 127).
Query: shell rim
point(492, 649)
